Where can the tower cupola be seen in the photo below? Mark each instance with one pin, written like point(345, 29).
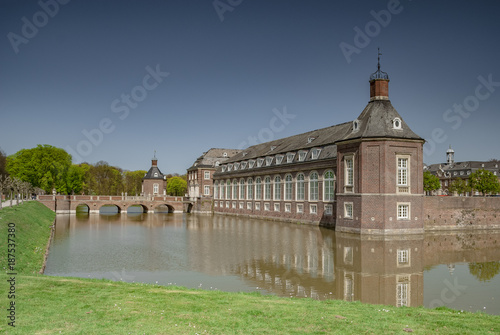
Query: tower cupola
point(450, 156)
point(379, 83)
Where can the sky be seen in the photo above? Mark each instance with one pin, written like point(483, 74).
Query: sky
point(116, 81)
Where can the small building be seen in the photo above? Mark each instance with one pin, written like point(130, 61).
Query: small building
point(200, 174)
point(154, 182)
point(450, 171)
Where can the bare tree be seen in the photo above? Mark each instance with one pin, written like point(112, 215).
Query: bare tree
point(4, 185)
point(15, 186)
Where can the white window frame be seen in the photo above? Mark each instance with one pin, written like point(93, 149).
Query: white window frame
point(279, 159)
point(300, 208)
point(404, 211)
point(267, 188)
point(315, 153)
point(300, 186)
point(242, 189)
point(313, 209)
point(250, 189)
point(290, 156)
point(329, 210)
point(348, 210)
point(403, 173)
point(302, 155)
point(249, 206)
point(277, 188)
point(233, 204)
point(206, 190)
point(403, 257)
point(288, 208)
point(156, 188)
point(243, 165)
point(276, 207)
point(269, 160)
point(260, 161)
point(349, 173)
point(251, 164)
point(313, 193)
point(257, 206)
point(267, 206)
point(288, 187)
point(258, 188)
point(241, 205)
point(236, 166)
point(328, 196)
point(206, 175)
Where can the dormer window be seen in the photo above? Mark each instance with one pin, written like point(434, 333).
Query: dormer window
point(236, 166)
point(355, 125)
point(315, 153)
point(260, 161)
point(289, 157)
point(243, 165)
point(217, 163)
point(396, 123)
point(229, 167)
point(224, 154)
point(251, 163)
point(156, 174)
point(273, 147)
point(279, 159)
point(302, 155)
point(224, 168)
point(310, 139)
point(269, 160)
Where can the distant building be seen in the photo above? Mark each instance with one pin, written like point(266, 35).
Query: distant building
point(154, 182)
point(451, 170)
point(362, 176)
point(200, 174)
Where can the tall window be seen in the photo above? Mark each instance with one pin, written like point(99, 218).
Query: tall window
point(242, 189)
point(328, 185)
point(206, 190)
point(216, 190)
point(313, 186)
point(300, 187)
point(258, 189)
point(277, 188)
point(403, 211)
point(267, 188)
point(403, 185)
point(250, 189)
point(228, 189)
point(288, 187)
point(349, 173)
point(222, 190)
point(207, 174)
point(155, 188)
point(235, 189)
point(348, 210)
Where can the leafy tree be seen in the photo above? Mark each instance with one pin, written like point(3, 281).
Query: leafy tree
point(431, 182)
point(459, 185)
point(133, 182)
point(3, 163)
point(103, 179)
point(484, 181)
point(176, 186)
point(484, 271)
point(74, 179)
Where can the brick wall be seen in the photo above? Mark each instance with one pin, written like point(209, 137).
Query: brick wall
point(446, 213)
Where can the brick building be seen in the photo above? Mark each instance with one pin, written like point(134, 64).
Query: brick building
point(451, 171)
point(362, 176)
point(154, 182)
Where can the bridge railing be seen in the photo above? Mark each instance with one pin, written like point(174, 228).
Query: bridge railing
point(108, 198)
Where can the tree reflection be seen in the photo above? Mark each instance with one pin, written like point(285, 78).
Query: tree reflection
point(484, 271)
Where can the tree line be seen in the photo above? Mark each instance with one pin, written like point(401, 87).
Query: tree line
point(482, 181)
point(46, 168)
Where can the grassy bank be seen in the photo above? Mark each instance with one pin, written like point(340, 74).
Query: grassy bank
point(53, 305)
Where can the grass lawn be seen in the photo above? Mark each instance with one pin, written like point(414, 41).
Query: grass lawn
point(58, 305)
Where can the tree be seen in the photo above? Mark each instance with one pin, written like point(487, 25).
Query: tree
point(176, 186)
point(484, 271)
point(460, 186)
point(44, 166)
point(3, 163)
point(4, 185)
point(74, 179)
point(431, 182)
point(133, 182)
point(484, 181)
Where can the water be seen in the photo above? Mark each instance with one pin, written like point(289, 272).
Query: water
point(458, 270)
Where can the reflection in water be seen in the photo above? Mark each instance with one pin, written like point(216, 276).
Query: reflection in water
point(240, 254)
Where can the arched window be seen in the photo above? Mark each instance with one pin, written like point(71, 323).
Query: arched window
point(242, 189)
point(267, 188)
point(235, 189)
point(300, 187)
point(216, 190)
point(329, 186)
point(258, 188)
point(313, 186)
point(222, 190)
point(228, 189)
point(250, 189)
point(288, 187)
point(277, 188)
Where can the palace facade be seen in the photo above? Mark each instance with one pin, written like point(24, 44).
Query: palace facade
point(361, 176)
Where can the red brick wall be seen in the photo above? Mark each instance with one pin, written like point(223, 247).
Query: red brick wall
point(442, 213)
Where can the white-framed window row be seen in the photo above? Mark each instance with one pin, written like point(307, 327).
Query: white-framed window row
point(288, 187)
point(244, 165)
point(269, 160)
point(224, 168)
point(233, 205)
point(249, 206)
point(403, 173)
point(241, 205)
point(277, 188)
point(236, 166)
point(251, 163)
point(329, 186)
point(300, 208)
point(276, 207)
point(267, 206)
point(206, 175)
point(329, 210)
point(300, 187)
point(313, 209)
point(290, 156)
point(403, 211)
point(242, 189)
point(349, 173)
point(260, 161)
point(227, 204)
point(302, 155)
point(250, 189)
point(257, 206)
point(403, 257)
point(288, 208)
point(348, 210)
point(315, 153)
point(221, 204)
point(230, 167)
point(279, 159)
point(313, 186)
point(206, 190)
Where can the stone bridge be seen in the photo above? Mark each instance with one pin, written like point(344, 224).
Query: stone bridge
point(64, 204)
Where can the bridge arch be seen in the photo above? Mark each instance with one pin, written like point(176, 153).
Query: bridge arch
point(144, 207)
point(164, 208)
point(79, 208)
point(118, 208)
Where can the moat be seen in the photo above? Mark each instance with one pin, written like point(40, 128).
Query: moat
point(455, 269)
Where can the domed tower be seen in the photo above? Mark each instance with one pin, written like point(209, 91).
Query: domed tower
point(154, 182)
point(450, 156)
point(380, 169)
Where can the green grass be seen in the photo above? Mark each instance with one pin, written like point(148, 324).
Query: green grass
point(54, 305)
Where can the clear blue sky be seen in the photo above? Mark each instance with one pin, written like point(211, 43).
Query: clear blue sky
point(84, 65)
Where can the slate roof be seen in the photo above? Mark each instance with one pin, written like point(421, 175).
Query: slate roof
point(209, 158)
point(447, 170)
point(151, 173)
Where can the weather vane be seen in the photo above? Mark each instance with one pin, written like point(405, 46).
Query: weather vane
point(378, 58)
